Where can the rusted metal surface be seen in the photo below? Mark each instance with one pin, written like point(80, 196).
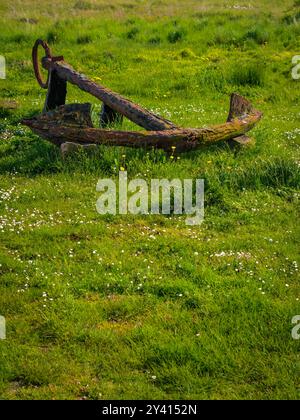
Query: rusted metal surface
point(56, 93)
point(53, 127)
point(40, 42)
point(72, 123)
point(115, 101)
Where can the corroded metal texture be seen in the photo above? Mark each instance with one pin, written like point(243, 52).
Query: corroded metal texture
point(54, 127)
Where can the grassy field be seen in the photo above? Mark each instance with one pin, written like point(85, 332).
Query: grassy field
point(136, 307)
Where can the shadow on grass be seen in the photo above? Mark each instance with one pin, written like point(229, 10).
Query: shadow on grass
point(29, 155)
point(26, 154)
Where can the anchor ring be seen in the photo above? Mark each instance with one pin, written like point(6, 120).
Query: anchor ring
point(36, 68)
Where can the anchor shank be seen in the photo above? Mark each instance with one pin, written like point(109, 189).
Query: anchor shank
point(115, 101)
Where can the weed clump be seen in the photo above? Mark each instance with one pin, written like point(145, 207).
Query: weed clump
point(292, 18)
point(248, 75)
point(212, 78)
point(132, 34)
point(175, 36)
point(83, 5)
point(258, 35)
point(84, 39)
point(187, 53)
point(155, 40)
point(21, 38)
point(226, 37)
point(52, 37)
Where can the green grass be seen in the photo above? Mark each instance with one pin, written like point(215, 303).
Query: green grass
point(102, 307)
